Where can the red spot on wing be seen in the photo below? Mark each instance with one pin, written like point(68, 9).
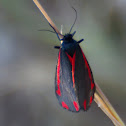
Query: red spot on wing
point(64, 105)
point(76, 105)
point(85, 106)
point(89, 71)
point(73, 69)
point(58, 76)
point(91, 100)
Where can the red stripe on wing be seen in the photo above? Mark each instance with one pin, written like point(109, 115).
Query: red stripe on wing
point(85, 104)
point(89, 71)
point(72, 61)
point(70, 58)
point(91, 100)
point(92, 86)
point(58, 76)
point(73, 69)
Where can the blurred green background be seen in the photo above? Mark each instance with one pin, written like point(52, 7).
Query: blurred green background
point(28, 59)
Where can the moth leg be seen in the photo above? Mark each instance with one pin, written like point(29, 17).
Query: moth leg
point(80, 41)
point(57, 47)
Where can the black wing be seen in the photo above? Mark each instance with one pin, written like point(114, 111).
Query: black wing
point(65, 91)
point(84, 81)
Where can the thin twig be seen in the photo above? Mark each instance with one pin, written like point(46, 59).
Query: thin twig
point(47, 17)
point(100, 99)
point(105, 109)
point(108, 104)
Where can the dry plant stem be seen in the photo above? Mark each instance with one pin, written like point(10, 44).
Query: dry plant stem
point(61, 31)
point(105, 109)
point(113, 112)
point(47, 17)
point(102, 102)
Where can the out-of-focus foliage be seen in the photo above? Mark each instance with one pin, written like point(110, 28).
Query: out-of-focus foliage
point(27, 59)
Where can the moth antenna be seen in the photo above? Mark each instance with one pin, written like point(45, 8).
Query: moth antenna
point(49, 31)
point(55, 32)
point(46, 30)
point(74, 20)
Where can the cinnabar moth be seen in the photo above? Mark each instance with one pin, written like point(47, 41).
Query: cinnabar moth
point(74, 83)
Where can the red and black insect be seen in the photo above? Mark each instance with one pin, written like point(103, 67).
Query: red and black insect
point(74, 83)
